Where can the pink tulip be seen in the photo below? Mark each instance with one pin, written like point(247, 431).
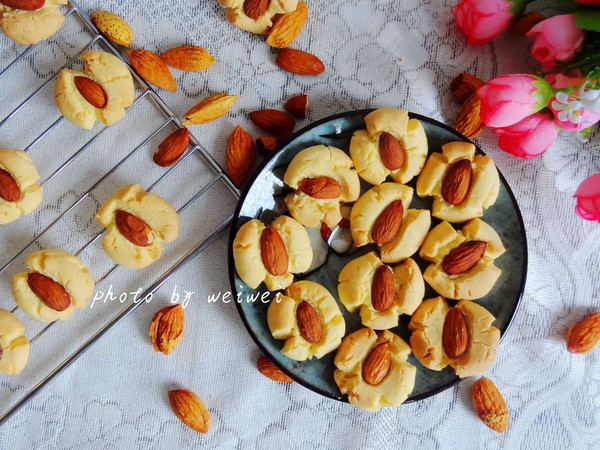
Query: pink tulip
point(588, 198)
point(589, 2)
point(508, 99)
point(481, 21)
point(530, 137)
point(556, 39)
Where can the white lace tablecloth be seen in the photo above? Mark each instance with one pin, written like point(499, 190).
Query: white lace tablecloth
point(377, 53)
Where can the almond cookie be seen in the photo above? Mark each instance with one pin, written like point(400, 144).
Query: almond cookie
point(372, 369)
point(382, 293)
point(137, 223)
point(322, 178)
point(19, 193)
point(37, 21)
point(14, 346)
point(101, 91)
point(462, 184)
point(391, 145)
point(463, 261)
point(271, 253)
point(256, 16)
point(309, 320)
point(462, 337)
point(56, 284)
point(381, 216)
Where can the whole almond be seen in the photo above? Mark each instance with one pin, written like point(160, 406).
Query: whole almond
point(467, 120)
point(209, 109)
point(166, 328)
point(377, 365)
point(489, 404)
point(24, 5)
point(171, 149)
point(321, 187)
point(266, 144)
point(255, 8)
point(273, 121)
point(463, 257)
point(51, 293)
point(91, 91)
point(457, 182)
point(309, 322)
point(391, 151)
point(240, 155)
point(299, 62)
point(455, 336)
point(190, 58)
point(190, 410)
point(525, 23)
point(273, 252)
point(383, 289)
point(271, 371)
point(134, 229)
point(464, 86)
point(388, 223)
point(9, 188)
point(583, 336)
point(297, 106)
point(150, 67)
point(288, 27)
point(113, 27)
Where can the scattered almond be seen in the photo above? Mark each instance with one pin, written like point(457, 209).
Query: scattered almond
point(383, 289)
point(467, 120)
point(321, 187)
point(463, 257)
point(525, 23)
point(455, 336)
point(134, 229)
point(166, 328)
point(271, 371)
point(113, 27)
point(457, 182)
point(583, 336)
point(465, 85)
point(297, 106)
point(91, 91)
point(266, 144)
point(377, 365)
point(171, 149)
point(273, 253)
point(9, 188)
point(309, 322)
point(273, 121)
point(24, 5)
point(51, 293)
point(190, 58)
point(391, 151)
point(388, 223)
point(288, 27)
point(190, 410)
point(255, 8)
point(209, 109)
point(489, 404)
point(299, 62)
point(240, 155)
point(150, 67)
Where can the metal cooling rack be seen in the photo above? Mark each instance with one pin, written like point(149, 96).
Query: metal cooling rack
point(219, 176)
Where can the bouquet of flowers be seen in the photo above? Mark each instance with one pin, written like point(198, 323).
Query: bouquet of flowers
point(527, 111)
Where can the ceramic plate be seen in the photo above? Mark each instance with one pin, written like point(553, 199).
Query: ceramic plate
point(263, 198)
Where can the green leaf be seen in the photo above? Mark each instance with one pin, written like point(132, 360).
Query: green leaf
point(588, 19)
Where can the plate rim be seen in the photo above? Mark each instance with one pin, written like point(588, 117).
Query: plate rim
point(233, 231)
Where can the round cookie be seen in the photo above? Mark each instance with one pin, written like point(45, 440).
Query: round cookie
point(62, 270)
point(327, 173)
point(114, 78)
point(427, 326)
point(473, 283)
point(357, 286)
point(352, 356)
point(14, 346)
point(282, 320)
point(408, 153)
point(482, 191)
point(248, 254)
point(19, 193)
point(236, 14)
point(147, 219)
point(31, 27)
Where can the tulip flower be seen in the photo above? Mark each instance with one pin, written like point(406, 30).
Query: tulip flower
point(556, 39)
point(508, 99)
point(588, 198)
point(528, 138)
point(589, 2)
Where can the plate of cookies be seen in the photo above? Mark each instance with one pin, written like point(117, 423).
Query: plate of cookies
point(378, 257)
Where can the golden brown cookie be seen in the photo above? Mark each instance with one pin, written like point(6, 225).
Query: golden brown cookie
point(467, 341)
point(19, 193)
point(32, 26)
point(382, 293)
point(372, 369)
point(256, 16)
point(57, 282)
point(460, 190)
point(462, 260)
point(138, 223)
point(323, 179)
point(271, 253)
point(14, 346)
point(107, 77)
point(391, 145)
point(309, 320)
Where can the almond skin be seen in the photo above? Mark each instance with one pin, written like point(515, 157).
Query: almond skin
point(467, 120)
point(171, 149)
point(377, 365)
point(463, 257)
point(383, 289)
point(51, 293)
point(189, 58)
point(166, 328)
point(273, 252)
point(288, 27)
point(24, 5)
point(465, 85)
point(255, 8)
point(134, 229)
point(209, 109)
point(190, 410)
point(583, 336)
point(9, 188)
point(388, 223)
point(489, 404)
point(273, 121)
point(91, 91)
point(113, 27)
point(455, 336)
point(240, 155)
point(457, 182)
point(321, 187)
point(271, 371)
point(391, 151)
point(309, 322)
point(525, 23)
point(266, 144)
point(297, 106)
point(299, 62)
point(150, 67)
